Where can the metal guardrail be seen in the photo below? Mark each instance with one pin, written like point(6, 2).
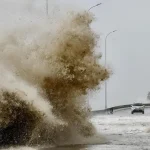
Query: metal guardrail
point(115, 108)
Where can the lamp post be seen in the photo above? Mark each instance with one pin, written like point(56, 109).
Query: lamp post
point(94, 6)
point(106, 64)
point(89, 10)
point(47, 7)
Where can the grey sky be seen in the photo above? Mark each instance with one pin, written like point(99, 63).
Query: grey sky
point(128, 50)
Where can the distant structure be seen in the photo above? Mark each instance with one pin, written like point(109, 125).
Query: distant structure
point(148, 96)
point(111, 110)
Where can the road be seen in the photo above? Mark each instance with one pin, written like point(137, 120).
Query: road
point(127, 112)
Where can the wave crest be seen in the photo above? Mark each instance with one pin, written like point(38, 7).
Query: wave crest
point(59, 66)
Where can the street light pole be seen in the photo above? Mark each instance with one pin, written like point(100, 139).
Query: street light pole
point(94, 6)
point(89, 10)
point(106, 64)
point(47, 7)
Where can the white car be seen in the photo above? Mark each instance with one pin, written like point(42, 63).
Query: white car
point(137, 107)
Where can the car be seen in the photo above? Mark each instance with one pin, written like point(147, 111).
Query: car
point(137, 107)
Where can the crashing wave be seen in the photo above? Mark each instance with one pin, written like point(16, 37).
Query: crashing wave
point(45, 76)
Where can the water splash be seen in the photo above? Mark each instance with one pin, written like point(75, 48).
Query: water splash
point(46, 72)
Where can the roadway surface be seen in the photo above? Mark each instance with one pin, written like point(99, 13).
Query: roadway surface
point(127, 112)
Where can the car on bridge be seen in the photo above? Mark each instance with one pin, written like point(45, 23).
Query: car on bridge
point(137, 107)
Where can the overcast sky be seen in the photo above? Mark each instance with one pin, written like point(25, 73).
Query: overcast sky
point(128, 49)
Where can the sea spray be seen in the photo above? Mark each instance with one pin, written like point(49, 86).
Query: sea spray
point(52, 70)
